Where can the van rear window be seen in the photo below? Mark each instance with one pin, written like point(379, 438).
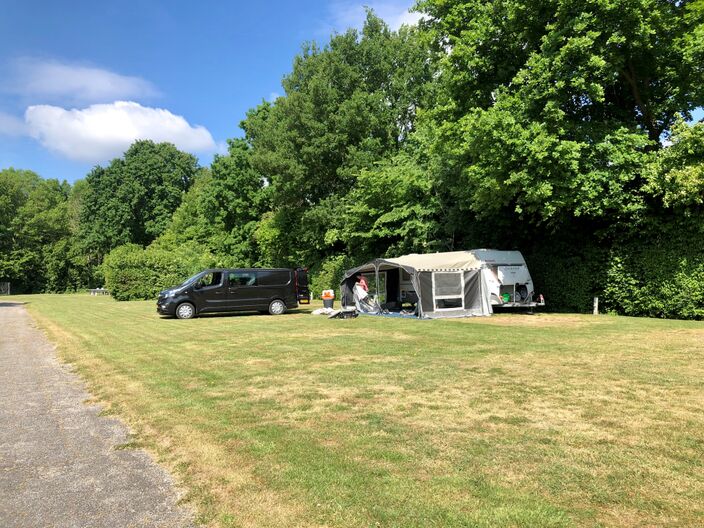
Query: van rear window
point(242, 278)
point(273, 277)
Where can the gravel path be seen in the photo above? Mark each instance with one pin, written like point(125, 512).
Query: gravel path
point(58, 462)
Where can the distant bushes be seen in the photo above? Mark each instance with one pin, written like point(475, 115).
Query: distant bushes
point(132, 272)
point(328, 275)
point(655, 272)
point(660, 277)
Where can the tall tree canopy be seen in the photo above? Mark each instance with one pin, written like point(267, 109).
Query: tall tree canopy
point(549, 108)
point(221, 210)
point(132, 199)
point(347, 106)
point(35, 231)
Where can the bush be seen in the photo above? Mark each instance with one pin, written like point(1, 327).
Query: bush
point(132, 272)
point(656, 282)
point(657, 271)
point(569, 276)
point(328, 274)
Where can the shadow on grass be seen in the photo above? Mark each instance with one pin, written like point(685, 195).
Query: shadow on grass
point(242, 314)
point(10, 304)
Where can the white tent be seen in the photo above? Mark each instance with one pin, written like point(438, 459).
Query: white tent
point(451, 284)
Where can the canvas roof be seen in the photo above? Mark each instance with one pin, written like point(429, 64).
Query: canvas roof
point(451, 260)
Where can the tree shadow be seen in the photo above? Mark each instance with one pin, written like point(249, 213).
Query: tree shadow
point(10, 304)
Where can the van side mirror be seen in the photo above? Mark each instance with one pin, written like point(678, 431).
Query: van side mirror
point(198, 285)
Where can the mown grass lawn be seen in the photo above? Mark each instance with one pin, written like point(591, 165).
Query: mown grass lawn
point(297, 420)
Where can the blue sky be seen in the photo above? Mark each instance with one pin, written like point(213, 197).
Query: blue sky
point(79, 80)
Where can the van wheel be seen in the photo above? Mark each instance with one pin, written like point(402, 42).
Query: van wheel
point(277, 307)
point(185, 311)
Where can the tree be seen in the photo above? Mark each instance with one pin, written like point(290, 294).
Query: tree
point(347, 106)
point(222, 209)
point(15, 188)
point(132, 199)
point(37, 213)
point(392, 210)
point(548, 110)
point(676, 177)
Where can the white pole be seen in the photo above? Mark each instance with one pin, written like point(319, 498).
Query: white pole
point(596, 305)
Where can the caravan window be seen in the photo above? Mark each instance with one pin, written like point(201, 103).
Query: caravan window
point(448, 290)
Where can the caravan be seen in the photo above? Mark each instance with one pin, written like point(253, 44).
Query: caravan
point(510, 283)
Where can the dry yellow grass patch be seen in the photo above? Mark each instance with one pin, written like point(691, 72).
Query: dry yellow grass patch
point(515, 420)
point(537, 320)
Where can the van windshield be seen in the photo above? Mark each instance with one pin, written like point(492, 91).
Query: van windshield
point(189, 280)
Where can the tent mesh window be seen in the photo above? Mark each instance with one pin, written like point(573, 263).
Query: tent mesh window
point(448, 290)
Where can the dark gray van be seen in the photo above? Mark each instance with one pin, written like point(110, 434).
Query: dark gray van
point(233, 290)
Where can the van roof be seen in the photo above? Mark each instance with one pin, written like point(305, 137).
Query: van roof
point(248, 269)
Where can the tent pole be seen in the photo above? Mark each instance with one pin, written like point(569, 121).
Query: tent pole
point(376, 275)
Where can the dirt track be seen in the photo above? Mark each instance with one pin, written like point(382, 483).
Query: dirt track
point(58, 462)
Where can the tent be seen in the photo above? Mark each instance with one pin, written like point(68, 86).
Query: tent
point(453, 284)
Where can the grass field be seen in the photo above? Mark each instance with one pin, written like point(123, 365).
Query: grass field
point(297, 420)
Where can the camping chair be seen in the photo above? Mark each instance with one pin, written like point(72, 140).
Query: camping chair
point(364, 302)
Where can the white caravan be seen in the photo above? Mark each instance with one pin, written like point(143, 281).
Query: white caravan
point(510, 283)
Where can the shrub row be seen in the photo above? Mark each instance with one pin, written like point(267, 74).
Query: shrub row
point(132, 272)
point(657, 274)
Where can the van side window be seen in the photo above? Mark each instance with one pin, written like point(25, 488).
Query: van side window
point(213, 278)
point(242, 278)
point(273, 277)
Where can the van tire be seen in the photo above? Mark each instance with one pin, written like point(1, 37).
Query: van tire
point(277, 307)
point(185, 310)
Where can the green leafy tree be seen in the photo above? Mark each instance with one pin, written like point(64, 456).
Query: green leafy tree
point(347, 106)
point(222, 210)
point(35, 229)
point(676, 176)
point(392, 210)
point(548, 109)
point(132, 199)
point(15, 188)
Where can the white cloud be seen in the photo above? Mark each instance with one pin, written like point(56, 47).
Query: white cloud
point(104, 131)
point(346, 14)
point(11, 125)
point(53, 81)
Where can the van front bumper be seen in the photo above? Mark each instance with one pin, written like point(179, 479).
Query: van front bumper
point(166, 306)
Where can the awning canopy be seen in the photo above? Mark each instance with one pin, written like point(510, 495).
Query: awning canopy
point(448, 261)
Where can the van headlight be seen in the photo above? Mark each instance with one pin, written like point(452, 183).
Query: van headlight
point(171, 293)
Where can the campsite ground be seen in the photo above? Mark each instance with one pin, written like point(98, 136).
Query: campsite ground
point(514, 420)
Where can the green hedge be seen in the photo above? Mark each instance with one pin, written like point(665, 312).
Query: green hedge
point(655, 272)
point(568, 277)
point(662, 275)
point(132, 272)
point(658, 272)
